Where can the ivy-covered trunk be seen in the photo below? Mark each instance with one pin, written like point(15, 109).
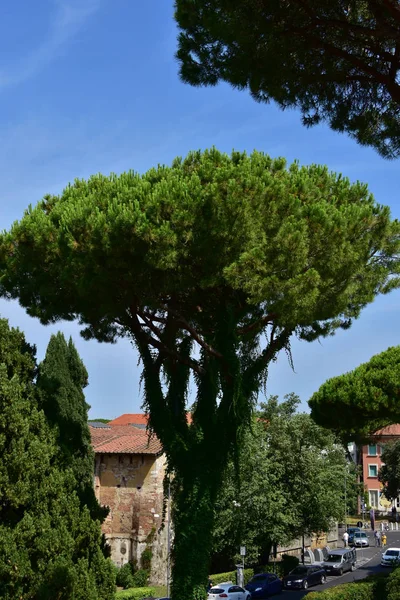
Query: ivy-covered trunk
point(193, 514)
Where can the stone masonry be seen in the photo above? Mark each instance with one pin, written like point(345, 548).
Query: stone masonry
point(129, 474)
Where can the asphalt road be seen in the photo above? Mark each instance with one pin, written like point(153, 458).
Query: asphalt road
point(369, 560)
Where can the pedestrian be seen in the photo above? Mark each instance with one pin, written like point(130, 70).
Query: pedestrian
point(378, 537)
point(345, 539)
point(384, 539)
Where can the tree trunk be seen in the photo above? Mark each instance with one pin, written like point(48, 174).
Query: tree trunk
point(193, 515)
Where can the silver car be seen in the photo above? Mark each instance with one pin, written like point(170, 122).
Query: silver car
point(360, 539)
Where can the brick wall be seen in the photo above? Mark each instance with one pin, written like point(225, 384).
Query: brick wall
point(131, 485)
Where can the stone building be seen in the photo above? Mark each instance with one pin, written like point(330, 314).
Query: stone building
point(129, 475)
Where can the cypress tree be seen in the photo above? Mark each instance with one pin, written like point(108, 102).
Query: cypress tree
point(50, 547)
point(61, 380)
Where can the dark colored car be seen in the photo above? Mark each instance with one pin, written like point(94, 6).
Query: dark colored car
point(264, 585)
point(351, 531)
point(303, 576)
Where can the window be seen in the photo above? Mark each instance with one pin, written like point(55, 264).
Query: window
point(372, 450)
point(374, 498)
point(372, 470)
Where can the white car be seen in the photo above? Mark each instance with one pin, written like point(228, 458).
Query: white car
point(390, 557)
point(360, 539)
point(229, 591)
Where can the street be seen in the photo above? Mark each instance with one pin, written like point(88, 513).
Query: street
point(368, 560)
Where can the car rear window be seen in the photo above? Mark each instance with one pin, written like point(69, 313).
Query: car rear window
point(216, 591)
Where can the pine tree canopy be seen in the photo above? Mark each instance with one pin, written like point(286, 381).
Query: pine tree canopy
point(362, 401)
point(298, 247)
point(338, 62)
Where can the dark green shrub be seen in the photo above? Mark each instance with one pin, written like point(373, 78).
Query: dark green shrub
point(288, 563)
point(393, 585)
point(140, 578)
point(145, 559)
point(276, 568)
point(372, 588)
point(220, 577)
point(136, 594)
point(231, 576)
point(125, 576)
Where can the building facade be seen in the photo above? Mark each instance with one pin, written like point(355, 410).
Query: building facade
point(128, 479)
point(371, 462)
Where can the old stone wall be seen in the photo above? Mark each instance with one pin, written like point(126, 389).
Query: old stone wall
point(131, 485)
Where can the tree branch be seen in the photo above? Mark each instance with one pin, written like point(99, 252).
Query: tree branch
point(259, 323)
point(149, 340)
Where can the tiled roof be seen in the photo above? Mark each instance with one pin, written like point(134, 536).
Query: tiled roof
point(137, 419)
point(389, 430)
point(130, 419)
point(124, 439)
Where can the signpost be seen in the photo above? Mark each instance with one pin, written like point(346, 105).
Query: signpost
point(240, 568)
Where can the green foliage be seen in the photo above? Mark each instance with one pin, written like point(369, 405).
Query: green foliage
point(49, 545)
point(136, 593)
point(362, 401)
point(220, 577)
point(99, 420)
point(393, 585)
point(323, 67)
point(370, 588)
point(146, 557)
point(389, 473)
point(285, 460)
point(141, 578)
point(231, 576)
point(125, 576)
point(288, 563)
point(209, 266)
point(61, 379)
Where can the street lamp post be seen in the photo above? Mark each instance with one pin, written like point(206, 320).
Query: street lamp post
point(345, 501)
point(169, 539)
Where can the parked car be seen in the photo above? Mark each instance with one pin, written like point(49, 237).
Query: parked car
point(351, 531)
point(229, 591)
point(341, 560)
point(303, 576)
point(360, 539)
point(391, 557)
point(264, 585)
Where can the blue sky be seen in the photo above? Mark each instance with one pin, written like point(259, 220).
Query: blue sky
point(92, 86)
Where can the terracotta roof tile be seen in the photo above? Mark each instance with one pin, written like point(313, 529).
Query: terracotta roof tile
point(124, 439)
point(389, 430)
point(137, 419)
point(129, 419)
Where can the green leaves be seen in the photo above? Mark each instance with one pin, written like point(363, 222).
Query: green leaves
point(209, 266)
point(337, 61)
point(362, 401)
point(389, 473)
point(304, 241)
point(290, 482)
point(50, 546)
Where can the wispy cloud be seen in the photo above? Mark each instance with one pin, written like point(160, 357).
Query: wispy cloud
point(68, 18)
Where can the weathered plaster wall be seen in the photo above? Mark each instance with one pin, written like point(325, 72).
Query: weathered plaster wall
point(131, 486)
